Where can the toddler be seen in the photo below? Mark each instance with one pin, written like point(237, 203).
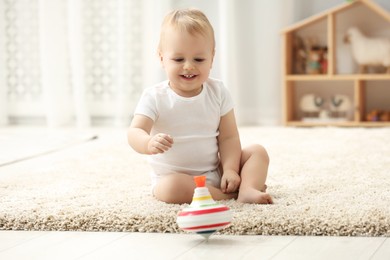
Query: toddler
point(186, 124)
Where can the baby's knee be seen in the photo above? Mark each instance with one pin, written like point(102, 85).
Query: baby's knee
point(259, 151)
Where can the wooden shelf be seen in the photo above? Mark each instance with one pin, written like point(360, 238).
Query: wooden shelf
point(358, 87)
point(342, 124)
point(338, 77)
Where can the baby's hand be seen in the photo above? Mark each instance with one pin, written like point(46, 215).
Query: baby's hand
point(230, 181)
point(160, 143)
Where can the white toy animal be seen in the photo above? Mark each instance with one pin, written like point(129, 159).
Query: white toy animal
point(340, 105)
point(368, 51)
point(311, 104)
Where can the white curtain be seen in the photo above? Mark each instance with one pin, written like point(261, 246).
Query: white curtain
point(250, 57)
point(3, 89)
point(85, 62)
point(70, 62)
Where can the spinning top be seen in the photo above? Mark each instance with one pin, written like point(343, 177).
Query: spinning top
point(203, 216)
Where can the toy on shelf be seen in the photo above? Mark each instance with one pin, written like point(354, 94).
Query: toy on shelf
point(377, 115)
point(203, 216)
point(332, 109)
point(310, 105)
point(340, 106)
point(317, 62)
point(309, 57)
point(300, 55)
point(368, 51)
point(313, 65)
point(324, 60)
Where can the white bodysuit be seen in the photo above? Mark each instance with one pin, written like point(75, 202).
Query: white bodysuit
point(193, 124)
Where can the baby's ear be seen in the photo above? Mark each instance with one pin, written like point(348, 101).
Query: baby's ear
point(212, 59)
point(160, 55)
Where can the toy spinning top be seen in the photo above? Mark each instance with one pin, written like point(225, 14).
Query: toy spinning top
point(203, 216)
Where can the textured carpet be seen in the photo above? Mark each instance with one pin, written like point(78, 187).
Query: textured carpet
point(325, 181)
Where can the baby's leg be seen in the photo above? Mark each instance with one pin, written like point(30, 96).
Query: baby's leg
point(179, 188)
point(254, 168)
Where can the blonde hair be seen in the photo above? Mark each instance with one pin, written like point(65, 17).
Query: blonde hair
point(189, 20)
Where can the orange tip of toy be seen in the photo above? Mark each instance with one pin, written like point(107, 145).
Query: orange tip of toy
point(200, 181)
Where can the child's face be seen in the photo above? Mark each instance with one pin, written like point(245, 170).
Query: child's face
point(187, 60)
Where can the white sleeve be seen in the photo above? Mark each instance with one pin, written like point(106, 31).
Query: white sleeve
point(226, 100)
point(147, 105)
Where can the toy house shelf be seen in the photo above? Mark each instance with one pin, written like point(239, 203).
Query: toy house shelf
point(337, 73)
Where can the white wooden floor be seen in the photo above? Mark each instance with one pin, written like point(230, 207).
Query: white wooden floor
point(122, 245)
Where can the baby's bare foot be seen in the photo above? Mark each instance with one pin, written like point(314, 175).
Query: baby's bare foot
point(254, 196)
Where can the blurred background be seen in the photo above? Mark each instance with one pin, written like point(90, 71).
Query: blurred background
point(85, 62)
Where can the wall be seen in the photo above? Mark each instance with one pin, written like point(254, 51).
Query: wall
point(247, 55)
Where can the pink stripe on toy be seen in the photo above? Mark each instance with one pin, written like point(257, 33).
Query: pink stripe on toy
point(207, 226)
point(203, 216)
point(203, 211)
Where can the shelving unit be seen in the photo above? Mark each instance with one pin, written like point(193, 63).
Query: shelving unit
point(339, 77)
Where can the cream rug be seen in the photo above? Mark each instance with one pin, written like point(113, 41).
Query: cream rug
point(325, 181)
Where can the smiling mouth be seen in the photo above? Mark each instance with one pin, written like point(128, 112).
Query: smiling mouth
point(188, 76)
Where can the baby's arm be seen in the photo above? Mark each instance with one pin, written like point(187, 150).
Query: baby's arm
point(230, 152)
point(139, 138)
